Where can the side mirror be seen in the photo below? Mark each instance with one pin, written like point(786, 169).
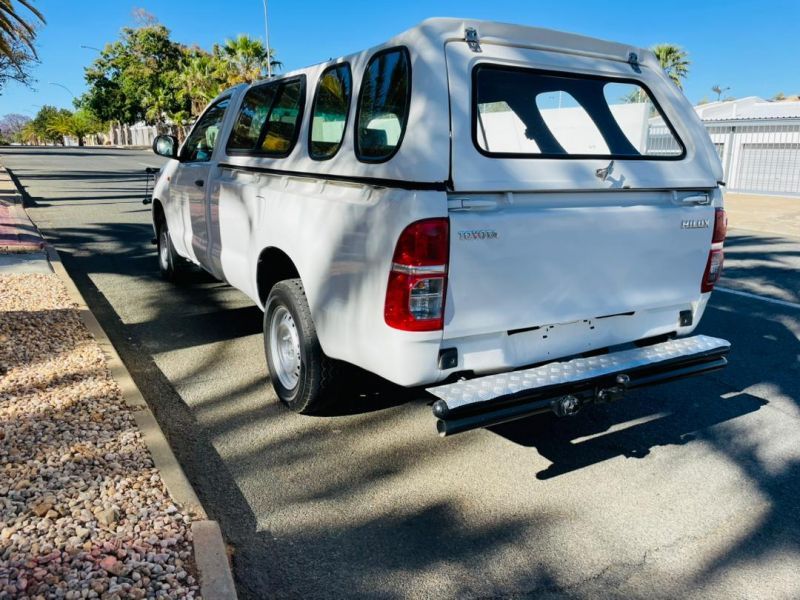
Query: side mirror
point(166, 145)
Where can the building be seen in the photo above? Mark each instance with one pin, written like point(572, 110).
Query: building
point(758, 142)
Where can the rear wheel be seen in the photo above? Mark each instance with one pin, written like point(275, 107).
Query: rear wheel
point(303, 377)
point(171, 265)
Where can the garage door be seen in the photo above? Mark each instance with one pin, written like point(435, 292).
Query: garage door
point(773, 168)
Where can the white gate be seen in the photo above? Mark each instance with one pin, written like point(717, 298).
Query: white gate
point(759, 156)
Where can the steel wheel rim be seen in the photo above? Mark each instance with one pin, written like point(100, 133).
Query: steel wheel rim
point(284, 346)
point(163, 249)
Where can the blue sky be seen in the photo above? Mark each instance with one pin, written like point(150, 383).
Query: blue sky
point(745, 45)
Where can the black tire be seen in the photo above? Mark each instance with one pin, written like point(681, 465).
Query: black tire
point(171, 265)
point(315, 381)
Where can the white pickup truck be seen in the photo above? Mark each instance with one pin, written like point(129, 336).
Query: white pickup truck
point(520, 219)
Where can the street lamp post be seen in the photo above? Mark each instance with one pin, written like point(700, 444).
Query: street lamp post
point(61, 85)
point(266, 40)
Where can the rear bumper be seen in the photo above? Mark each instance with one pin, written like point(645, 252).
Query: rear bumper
point(565, 386)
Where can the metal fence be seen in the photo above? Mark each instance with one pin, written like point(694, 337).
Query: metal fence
point(760, 156)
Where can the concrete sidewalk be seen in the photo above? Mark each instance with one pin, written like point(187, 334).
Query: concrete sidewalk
point(770, 214)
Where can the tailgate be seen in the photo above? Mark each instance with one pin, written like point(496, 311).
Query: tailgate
point(529, 260)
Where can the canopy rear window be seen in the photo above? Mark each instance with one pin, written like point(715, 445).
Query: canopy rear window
point(536, 114)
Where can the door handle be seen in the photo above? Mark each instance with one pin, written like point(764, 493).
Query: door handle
point(699, 199)
point(471, 204)
point(199, 182)
point(692, 199)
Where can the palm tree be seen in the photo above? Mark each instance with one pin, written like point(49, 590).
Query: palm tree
point(246, 59)
point(15, 28)
point(198, 81)
point(719, 90)
point(674, 60)
point(60, 126)
point(29, 134)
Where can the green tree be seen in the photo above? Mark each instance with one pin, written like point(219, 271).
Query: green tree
point(83, 123)
point(674, 60)
point(52, 124)
point(29, 135)
point(59, 125)
point(49, 124)
point(200, 79)
point(145, 76)
point(244, 60)
point(136, 78)
point(203, 75)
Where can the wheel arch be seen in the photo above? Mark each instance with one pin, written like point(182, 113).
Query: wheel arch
point(158, 213)
point(273, 265)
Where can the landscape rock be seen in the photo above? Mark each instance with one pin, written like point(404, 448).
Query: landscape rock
point(83, 511)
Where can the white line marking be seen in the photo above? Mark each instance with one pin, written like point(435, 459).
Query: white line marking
point(757, 297)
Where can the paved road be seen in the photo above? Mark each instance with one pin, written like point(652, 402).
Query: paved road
point(692, 488)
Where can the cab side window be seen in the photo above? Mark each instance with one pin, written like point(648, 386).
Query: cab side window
point(383, 105)
point(269, 119)
point(201, 141)
point(252, 116)
point(329, 112)
point(284, 119)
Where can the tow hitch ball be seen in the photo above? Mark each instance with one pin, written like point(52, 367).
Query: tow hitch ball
point(569, 405)
point(566, 406)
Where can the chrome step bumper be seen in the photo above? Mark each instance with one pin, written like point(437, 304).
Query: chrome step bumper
point(565, 386)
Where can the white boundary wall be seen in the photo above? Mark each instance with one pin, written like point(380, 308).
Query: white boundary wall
point(760, 156)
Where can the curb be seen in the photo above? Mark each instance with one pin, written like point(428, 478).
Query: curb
point(178, 485)
point(216, 577)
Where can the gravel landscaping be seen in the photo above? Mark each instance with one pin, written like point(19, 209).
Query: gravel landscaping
point(83, 512)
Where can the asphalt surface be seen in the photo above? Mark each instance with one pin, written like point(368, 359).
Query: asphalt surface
point(691, 489)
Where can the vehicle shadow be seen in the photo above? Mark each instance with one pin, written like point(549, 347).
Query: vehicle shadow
point(365, 392)
point(630, 428)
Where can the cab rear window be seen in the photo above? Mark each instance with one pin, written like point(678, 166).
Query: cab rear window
point(536, 114)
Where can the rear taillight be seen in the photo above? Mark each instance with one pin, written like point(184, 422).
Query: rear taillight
point(713, 270)
point(720, 226)
point(418, 280)
point(715, 256)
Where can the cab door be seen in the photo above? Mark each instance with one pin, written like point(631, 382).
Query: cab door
point(191, 181)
